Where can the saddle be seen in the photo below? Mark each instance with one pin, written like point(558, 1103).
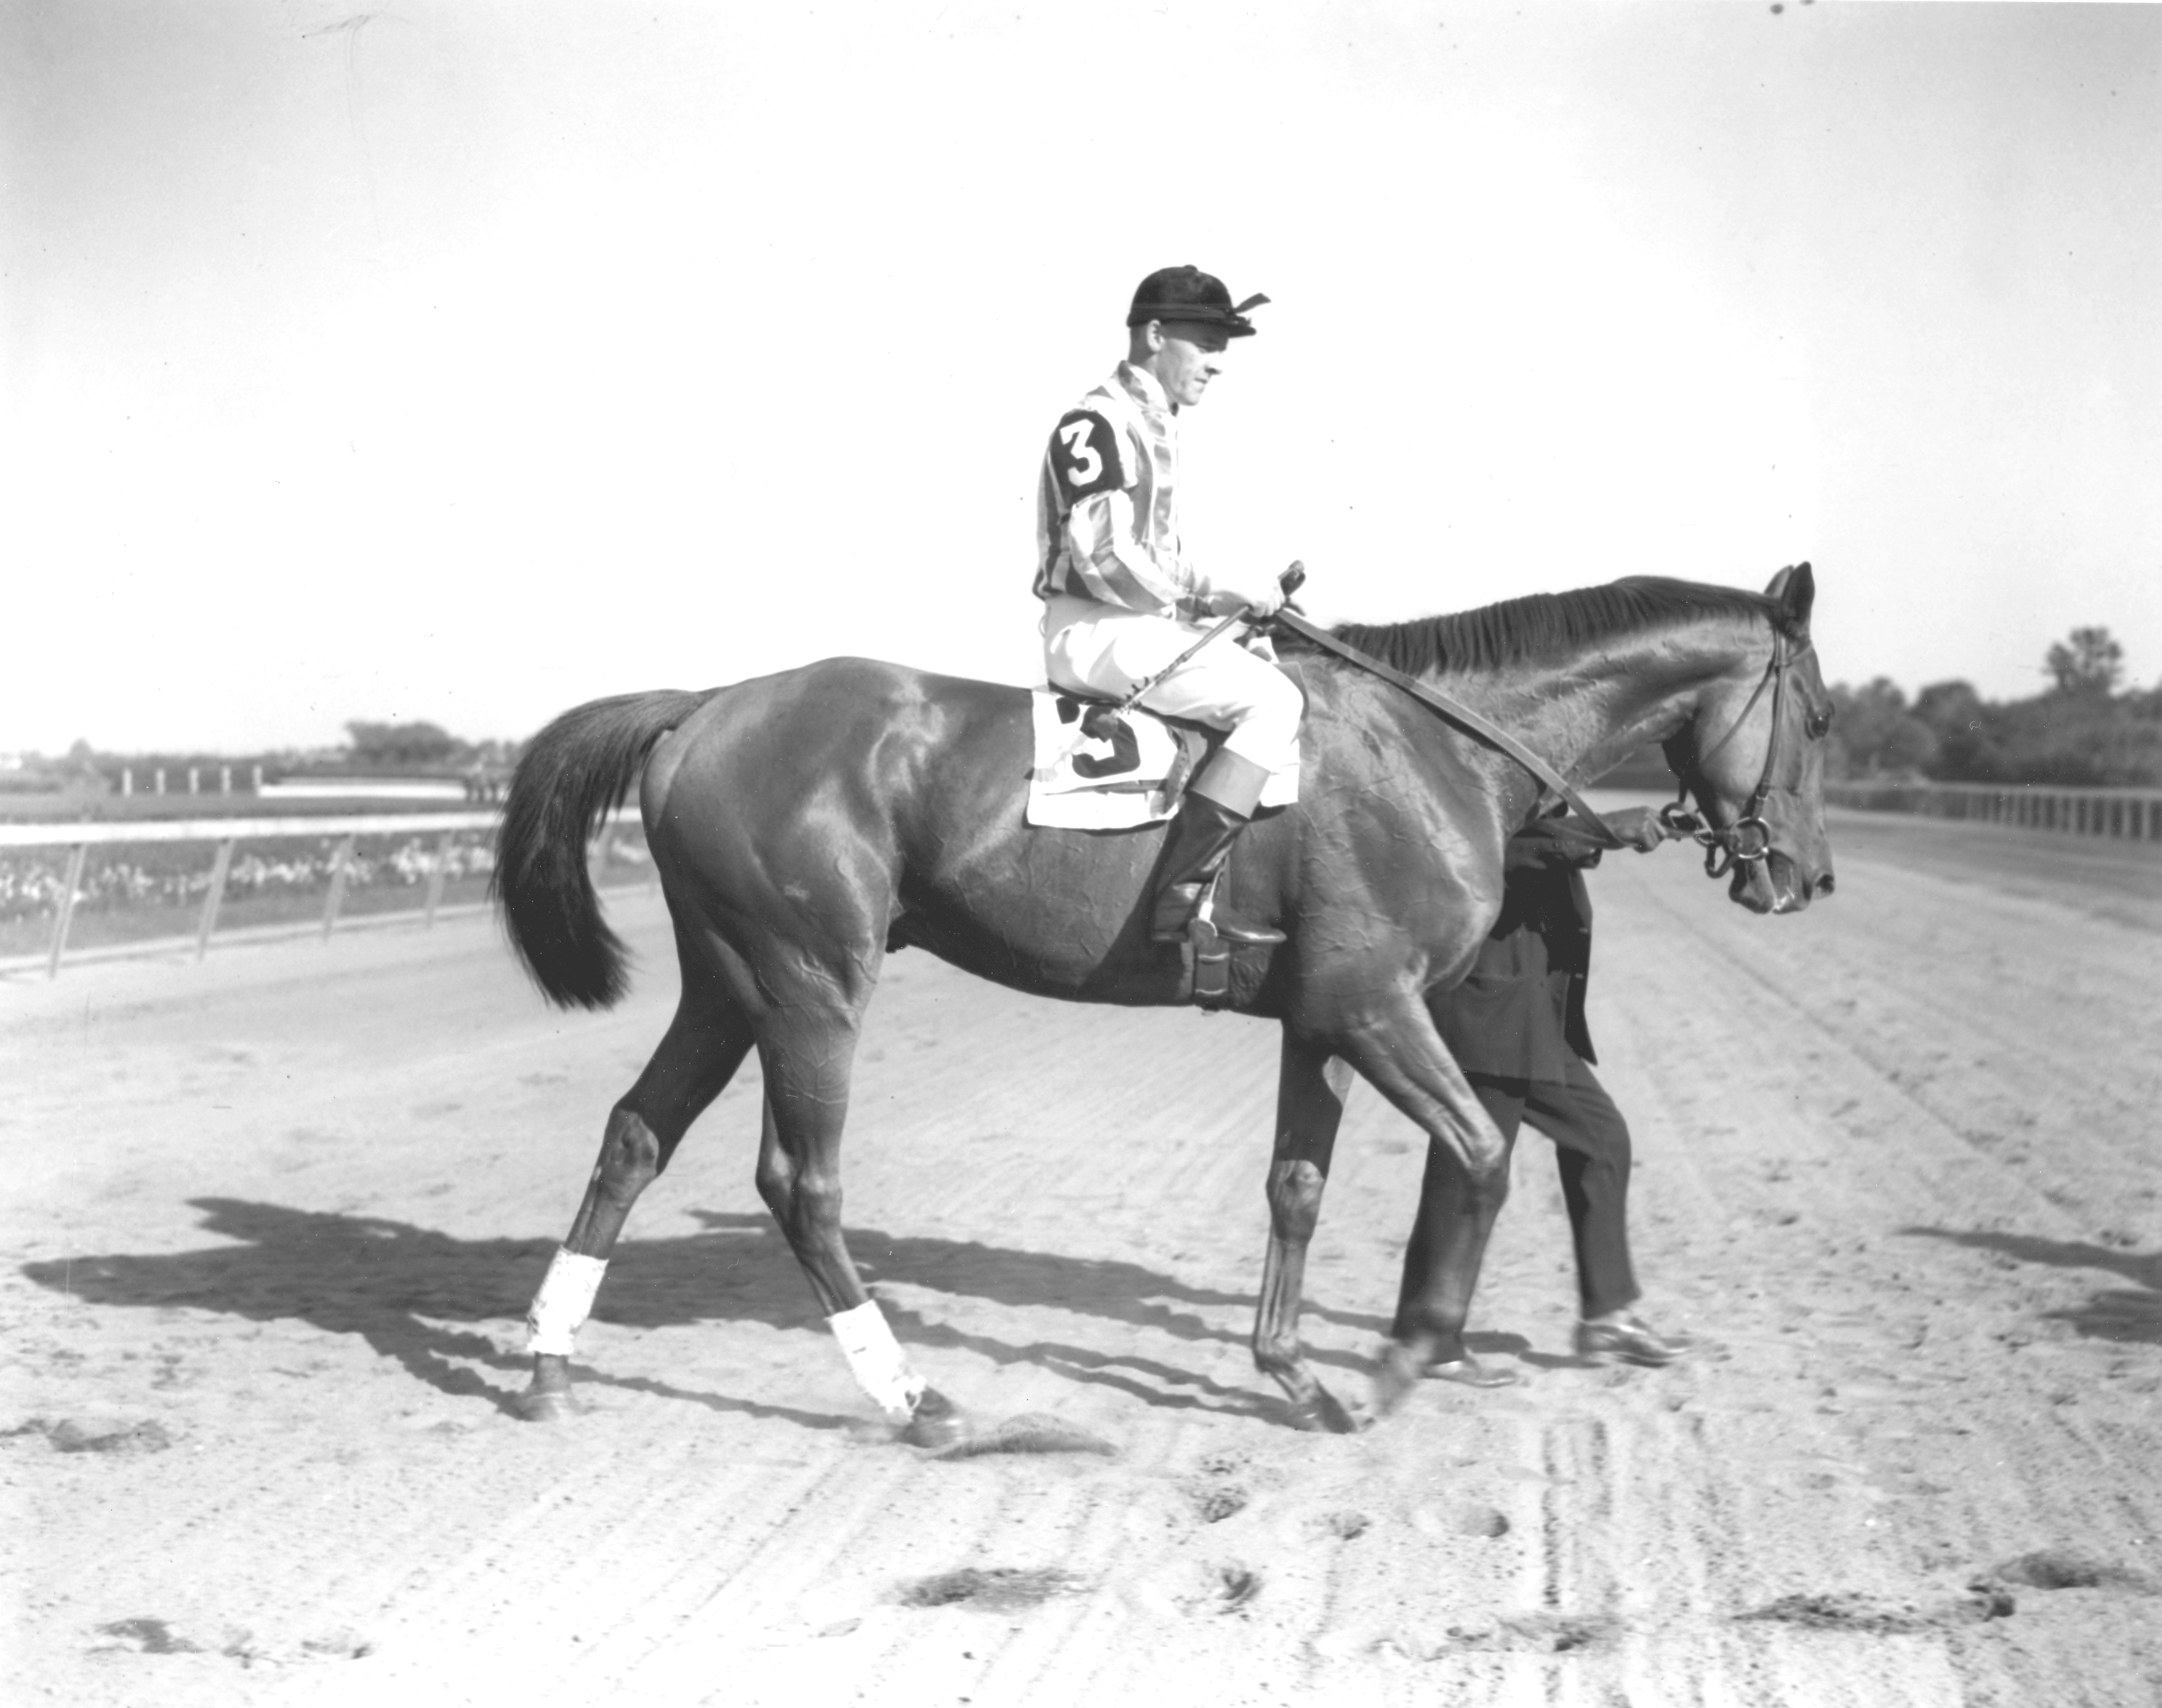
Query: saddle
point(1102, 766)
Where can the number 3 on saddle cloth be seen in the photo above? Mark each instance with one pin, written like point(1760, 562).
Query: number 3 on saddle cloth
point(1099, 768)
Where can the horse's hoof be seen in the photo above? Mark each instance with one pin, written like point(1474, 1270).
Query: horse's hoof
point(936, 1423)
point(1397, 1375)
point(545, 1406)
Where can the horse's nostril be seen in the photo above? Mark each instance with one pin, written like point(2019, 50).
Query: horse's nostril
point(1824, 884)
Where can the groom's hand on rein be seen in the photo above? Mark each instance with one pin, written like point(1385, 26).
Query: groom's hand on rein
point(1638, 827)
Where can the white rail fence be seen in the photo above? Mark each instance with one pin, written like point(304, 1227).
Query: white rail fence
point(228, 832)
point(2123, 814)
point(2129, 815)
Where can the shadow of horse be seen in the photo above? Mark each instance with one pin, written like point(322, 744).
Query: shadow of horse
point(396, 1286)
point(2115, 1314)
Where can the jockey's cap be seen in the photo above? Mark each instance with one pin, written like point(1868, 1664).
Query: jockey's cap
point(1188, 294)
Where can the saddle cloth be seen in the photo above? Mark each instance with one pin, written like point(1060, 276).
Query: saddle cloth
point(1099, 768)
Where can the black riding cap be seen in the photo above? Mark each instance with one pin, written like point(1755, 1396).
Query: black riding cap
point(1188, 294)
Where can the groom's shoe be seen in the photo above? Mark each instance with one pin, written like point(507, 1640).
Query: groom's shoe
point(1468, 1371)
point(1625, 1341)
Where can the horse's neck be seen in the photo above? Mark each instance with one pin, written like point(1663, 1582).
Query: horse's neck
point(1585, 714)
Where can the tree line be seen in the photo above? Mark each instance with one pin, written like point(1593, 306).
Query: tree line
point(2082, 730)
point(392, 747)
point(421, 743)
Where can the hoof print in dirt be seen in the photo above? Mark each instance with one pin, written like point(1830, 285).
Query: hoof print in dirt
point(2068, 1568)
point(1220, 1490)
point(1553, 1634)
point(146, 1636)
point(1345, 1526)
point(1476, 1519)
point(1837, 1610)
point(998, 1589)
point(1992, 1600)
point(1872, 1615)
point(1237, 1588)
point(1031, 1432)
point(1480, 1521)
point(337, 1645)
point(1527, 1633)
point(72, 1436)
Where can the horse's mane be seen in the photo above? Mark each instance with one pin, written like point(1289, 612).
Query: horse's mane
point(1540, 628)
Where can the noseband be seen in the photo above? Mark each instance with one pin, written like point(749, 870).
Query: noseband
point(1748, 838)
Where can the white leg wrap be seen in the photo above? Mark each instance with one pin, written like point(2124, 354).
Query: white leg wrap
point(876, 1360)
point(564, 1301)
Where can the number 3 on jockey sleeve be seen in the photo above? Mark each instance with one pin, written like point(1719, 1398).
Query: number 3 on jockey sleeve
point(1084, 452)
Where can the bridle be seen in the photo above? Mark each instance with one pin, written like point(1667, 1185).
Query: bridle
point(1748, 838)
point(1745, 841)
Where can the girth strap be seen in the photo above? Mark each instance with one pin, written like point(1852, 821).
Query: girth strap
point(1472, 722)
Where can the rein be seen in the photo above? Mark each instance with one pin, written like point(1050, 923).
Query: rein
point(1473, 723)
point(1744, 842)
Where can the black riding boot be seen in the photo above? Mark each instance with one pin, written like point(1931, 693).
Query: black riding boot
point(1201, 838)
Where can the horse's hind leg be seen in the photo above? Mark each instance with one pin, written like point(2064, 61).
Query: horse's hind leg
point(1311, 1088)
point(806, 1054)
point(704, 1045)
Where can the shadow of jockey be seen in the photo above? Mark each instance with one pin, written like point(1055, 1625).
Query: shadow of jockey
point(1121, 603)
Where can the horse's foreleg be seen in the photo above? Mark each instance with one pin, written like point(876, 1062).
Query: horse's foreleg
point(1467, 1182)
point(705, 1044)
point(1447, 1247)
point(799, 1177)
point(1310, 1091)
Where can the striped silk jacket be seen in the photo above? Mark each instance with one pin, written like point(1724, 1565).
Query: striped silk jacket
point(1107, 505)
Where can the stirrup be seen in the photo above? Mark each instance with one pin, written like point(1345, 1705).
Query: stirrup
point(1234, 928)
point(1206, 960)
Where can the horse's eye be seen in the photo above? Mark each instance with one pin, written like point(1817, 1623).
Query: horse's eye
point(1819, 723)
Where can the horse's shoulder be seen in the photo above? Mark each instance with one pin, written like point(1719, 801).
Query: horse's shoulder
point(1348, 706)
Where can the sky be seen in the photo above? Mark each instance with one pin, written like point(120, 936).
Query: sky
point(466, 362)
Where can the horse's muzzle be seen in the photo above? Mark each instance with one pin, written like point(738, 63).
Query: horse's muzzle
point(1776, 884)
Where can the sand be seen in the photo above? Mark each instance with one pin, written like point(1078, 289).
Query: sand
point(276, 1218)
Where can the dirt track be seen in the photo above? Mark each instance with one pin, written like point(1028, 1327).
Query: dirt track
point(278, 1217)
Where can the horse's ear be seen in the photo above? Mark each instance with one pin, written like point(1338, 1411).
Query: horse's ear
point(1793, 589)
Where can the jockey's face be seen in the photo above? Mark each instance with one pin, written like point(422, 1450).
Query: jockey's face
point(1184, 355)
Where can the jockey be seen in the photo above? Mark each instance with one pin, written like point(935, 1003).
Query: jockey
point(1121, 602)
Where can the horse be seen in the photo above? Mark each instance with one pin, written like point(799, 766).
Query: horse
point(807, 824)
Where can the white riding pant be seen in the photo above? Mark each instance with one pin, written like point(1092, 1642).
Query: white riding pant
point(1099, 650)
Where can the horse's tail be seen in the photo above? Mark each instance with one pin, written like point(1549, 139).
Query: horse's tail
point(572, 776)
